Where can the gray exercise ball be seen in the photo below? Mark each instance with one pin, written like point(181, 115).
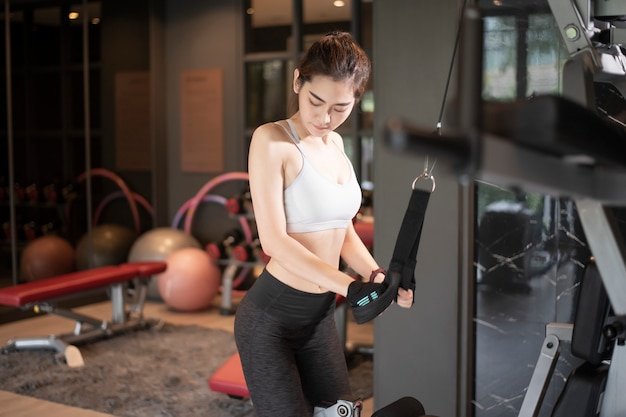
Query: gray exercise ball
point(156, 245)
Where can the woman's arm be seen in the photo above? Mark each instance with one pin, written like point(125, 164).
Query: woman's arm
point(266, 167)
point(357, 255)
point(359, 258)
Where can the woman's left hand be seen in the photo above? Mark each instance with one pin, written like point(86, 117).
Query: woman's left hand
point(405, 298)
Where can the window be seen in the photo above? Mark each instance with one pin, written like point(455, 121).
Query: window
point(528, 247)
point(277, 31)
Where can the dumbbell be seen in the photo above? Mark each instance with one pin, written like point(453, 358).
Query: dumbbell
point(220, 250)
point(239, 204)
point(404, 407)
point(250, 252)
point(342, 408)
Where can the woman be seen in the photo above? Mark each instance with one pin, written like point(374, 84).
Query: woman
point(304, 195)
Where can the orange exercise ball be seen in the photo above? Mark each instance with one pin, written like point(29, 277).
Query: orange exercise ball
point(191, 280)
point(46, 257)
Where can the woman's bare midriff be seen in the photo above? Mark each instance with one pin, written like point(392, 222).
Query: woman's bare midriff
point(325, 244)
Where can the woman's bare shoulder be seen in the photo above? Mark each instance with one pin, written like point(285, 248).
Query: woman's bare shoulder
point(271, 137)
point(337, 138)
point(272, 131)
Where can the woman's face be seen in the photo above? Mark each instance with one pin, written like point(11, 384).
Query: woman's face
point(324, 104)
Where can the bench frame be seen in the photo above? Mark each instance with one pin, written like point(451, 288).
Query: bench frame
point(127, 303)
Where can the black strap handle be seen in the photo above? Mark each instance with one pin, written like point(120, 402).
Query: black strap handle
point(405, 251)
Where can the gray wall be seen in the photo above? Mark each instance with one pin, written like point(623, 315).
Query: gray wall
point(200, 35)
point(168, 37)
point(126, 49)
point(416, 350)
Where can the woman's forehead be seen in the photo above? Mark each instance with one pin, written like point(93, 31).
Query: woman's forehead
point(330, 90)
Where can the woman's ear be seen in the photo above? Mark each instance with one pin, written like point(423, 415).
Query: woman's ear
point(296, 83)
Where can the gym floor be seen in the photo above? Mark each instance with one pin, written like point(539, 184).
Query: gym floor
point(20, 406)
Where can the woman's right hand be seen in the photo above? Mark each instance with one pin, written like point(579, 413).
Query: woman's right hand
point(369, 299)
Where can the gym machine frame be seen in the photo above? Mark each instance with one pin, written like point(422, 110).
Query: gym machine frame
point(482, 147)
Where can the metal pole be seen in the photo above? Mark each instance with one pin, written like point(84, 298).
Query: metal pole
point(87, 120)
point(10, 139)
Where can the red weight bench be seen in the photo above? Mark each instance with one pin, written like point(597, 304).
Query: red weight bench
point(127, 305)
point(229, 379)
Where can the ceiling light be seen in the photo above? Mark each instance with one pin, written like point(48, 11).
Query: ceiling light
point(339, 3)
point(73, 15)
point(250, 11)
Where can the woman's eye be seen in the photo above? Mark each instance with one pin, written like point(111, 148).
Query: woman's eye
point(315, 104)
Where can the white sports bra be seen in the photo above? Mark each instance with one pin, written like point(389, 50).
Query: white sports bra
point(313, 202)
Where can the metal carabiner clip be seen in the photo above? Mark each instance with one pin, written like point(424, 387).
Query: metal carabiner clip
point(426, 175)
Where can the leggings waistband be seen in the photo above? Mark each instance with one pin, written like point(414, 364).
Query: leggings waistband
point(288, 304)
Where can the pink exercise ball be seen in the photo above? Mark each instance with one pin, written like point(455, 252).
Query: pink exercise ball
point(46, 257)
point(156, 245)
point(191, 280)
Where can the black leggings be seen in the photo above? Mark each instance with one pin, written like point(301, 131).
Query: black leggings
point(290, 349)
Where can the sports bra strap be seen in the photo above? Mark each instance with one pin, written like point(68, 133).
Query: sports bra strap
point(293, 134)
